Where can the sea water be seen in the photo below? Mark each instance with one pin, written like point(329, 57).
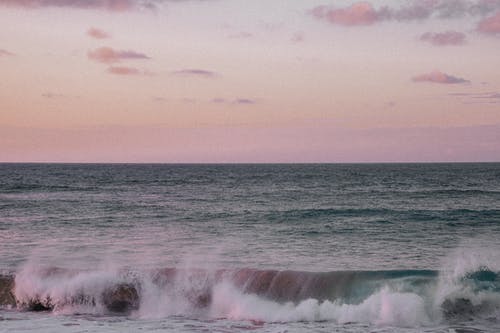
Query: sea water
point(265, 248)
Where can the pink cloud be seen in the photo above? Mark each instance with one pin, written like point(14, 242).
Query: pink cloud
point(5, 53)
point(121, 70)
point(111, 5)
point(195, 72)
point(444, 38)
point(361, 13)
point(364, 13)
point(108, 55)
point(97, 33)
point(490, 25)
point(439, 77)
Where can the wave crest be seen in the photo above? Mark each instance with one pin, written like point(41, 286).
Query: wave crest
point(405, 298)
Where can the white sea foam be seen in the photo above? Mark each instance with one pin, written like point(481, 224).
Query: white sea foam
point(385, 307)
point(67, 292)
point(181, 297)
point(471, 256)
point(200, 293)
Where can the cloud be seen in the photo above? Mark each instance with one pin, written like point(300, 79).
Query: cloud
point(439, 77)
point(218, 100)
point(195, 72)
point(52, 95)
point(240, 101)
point(419, 10)
point(490, 25)
point(189, 100)
point(245, 101)
point(159, 99)
point(108, 55)
point(361, 13)
point(364, 13)
point(483, 7)
point(444, 38)
point(491, 97)
point(5, 53)
point(123, 70)
point(241, 35)
point(111, 5)
point(97, 33)
point(445, 9)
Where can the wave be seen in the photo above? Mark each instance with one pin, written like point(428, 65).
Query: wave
point(411, 215)
point(439, 191)
point(13, 190)
point(392, 297)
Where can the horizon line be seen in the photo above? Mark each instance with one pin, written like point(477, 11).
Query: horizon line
point(252, 163)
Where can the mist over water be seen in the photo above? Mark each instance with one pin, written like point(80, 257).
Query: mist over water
point(412, 237)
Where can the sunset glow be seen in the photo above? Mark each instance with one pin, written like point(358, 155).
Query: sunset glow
point(249, 81)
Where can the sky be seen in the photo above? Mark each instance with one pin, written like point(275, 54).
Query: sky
point(241, 81)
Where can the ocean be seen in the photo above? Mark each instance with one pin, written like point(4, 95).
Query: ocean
point(257, 247)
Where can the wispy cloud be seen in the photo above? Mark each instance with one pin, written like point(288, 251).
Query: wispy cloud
point(108, 55)
point(490, 25)
point(111, 5)
point(244, 101)
point(364, 13)
point(159, 99)
point(51, 95)
point(218, 100)
point(495, 95)
point(240, 101)
point(490, 97)
point(195, 73)
point(189, 100)
point(5, 53)
point(444, 38)
point(97, 33)
point(122, 70)
point(439, 77)
point(241, 35)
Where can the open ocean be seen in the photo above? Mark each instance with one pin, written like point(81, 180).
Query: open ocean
point(261, 248)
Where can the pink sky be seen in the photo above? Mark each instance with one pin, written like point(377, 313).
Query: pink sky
point(249, 81)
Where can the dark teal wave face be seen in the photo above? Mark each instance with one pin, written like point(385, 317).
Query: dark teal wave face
point(483, 280)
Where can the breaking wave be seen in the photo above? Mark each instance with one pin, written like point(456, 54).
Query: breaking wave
point(405, 298)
